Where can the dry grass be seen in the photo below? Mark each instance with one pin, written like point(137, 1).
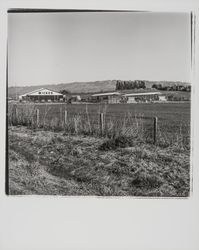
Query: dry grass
point(45, 162)
point(21, 116)
point(137, 127)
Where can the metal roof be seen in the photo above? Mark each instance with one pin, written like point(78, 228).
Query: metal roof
point(107, 94)
point(143, 94)
point(38, 90)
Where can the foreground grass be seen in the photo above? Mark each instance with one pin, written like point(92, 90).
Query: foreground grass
point(49, 163)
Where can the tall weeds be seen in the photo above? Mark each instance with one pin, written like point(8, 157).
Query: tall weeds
point(21, 115)
point(137, 127)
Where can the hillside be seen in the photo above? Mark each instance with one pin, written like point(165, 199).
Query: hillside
point(82, 87)
point(75, 87)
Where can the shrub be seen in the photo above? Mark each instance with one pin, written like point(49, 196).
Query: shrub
point(120, 141)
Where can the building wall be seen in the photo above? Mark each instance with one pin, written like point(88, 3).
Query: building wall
point(131, 99)
point(114, 99)
point(162, 98)
point(43, 98)
point(106, 99)
point(145, 98)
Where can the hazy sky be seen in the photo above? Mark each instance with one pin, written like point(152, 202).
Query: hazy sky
point(47, 48)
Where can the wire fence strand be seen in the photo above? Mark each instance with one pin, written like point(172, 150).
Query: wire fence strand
point(76, 121)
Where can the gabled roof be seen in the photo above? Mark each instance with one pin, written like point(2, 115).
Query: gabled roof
point(39, 90)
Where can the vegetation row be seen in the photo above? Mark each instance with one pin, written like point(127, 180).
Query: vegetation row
point(118, 131)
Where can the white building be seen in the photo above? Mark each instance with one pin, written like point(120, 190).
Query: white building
point(110, 97)
point(144, 97)
point(42, 95)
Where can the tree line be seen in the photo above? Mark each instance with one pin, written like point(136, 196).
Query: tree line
point(172, 88)
point(137, 84)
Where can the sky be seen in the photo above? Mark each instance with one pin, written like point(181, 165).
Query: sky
point(52, 48)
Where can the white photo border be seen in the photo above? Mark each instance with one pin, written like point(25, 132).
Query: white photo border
point(49, 222)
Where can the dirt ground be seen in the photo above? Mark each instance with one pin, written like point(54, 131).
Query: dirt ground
point(49, 163)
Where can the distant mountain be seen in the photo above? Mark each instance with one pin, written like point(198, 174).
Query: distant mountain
point(83, 87)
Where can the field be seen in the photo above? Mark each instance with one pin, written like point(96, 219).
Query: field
point(77, 159)
point(170, 111)
point(128, 119)
point(49, 163)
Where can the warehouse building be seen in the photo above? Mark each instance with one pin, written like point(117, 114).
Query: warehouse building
point(144, 97)
point(116, 97)
point(42, 95)
point(110, 98)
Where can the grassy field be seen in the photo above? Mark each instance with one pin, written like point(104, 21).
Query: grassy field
point(49, 163)
point(166, 111)
point(173, 119)
point(77, 159)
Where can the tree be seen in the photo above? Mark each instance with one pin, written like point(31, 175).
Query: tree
point(130, 84)
point(154, 86)
point(64, 92)
point(142, 85)
point(159, 86)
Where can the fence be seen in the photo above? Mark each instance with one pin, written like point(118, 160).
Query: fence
point(101, 123)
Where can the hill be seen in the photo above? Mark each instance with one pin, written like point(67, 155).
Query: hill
point(83, 87)
point(75, 87)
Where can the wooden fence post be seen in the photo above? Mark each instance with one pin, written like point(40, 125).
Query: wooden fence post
point(37, 117)
point(16, 115)
point(65, 117)
point(155, 127)
point(101, 123)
